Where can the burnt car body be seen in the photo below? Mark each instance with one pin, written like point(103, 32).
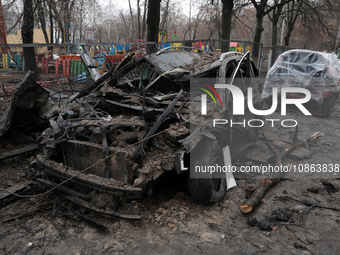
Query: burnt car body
point(125, 134)
point(318, 72)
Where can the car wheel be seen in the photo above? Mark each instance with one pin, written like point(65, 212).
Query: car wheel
point(208, 189)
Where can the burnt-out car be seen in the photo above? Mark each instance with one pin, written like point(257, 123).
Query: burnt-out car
point(318, 72)
point(134, 127)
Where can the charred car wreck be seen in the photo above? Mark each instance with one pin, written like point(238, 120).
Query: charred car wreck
point(133, 125)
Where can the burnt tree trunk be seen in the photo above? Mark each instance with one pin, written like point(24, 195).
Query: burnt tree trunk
point(27, 38)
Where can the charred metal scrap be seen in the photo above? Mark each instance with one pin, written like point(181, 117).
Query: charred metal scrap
point(31, 106)
point(133, 125)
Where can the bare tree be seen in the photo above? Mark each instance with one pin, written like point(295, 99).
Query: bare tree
point(200, 19)
point(153, 19)
point(227, 14)
point(132, 24)
point(276, 14)
point(190, 24)
point(139, 20)
point(144, 19)
point(164, 16)
point(27, 38)
point(50, 15)
point(275, 17)
point(260, 13)
point(2, 28)
point(215, 19)
point(41, 17)
point(294, 10)
point(262, 9)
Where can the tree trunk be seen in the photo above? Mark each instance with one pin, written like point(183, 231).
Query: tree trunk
point(275, 20)
point(165, 16)
point(42, 19)
point(153, 19)
point(288, 34)
point(144, 20)
point(139, 21)
point(51, 23)
point(125, 25)
point(81, 23)
point(132, 24)
point(227, 14)
point(27, 37)
point(260, 13)
point(258, 33)
point(274, 32)
point(3, 40)
point(277, 11)
point(290, 28)
point(58, 19)
point(292, 14)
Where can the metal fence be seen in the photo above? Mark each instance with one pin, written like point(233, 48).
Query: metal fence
point(218, 46)
point(62, 62)
point(255, 49)
point(105, 55)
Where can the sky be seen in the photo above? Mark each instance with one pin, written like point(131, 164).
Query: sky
point(124, 4)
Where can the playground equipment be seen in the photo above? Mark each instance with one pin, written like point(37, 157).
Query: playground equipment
point(69, 35)
point(71, 67)
point(162, 36)
point(238, 47)
point(174, 36)
point(5, 61)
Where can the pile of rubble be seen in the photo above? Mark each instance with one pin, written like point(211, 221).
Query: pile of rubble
point(125, 131)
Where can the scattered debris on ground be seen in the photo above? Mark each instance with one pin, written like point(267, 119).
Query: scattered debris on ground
point(115, 150)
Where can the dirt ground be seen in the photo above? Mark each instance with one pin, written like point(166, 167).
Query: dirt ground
point(172, 224)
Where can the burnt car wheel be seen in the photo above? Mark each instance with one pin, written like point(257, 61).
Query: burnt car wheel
point(208, 188)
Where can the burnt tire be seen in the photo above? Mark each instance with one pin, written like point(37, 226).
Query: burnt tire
point(208, 189)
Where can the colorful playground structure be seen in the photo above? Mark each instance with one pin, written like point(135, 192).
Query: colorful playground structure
point(239, 47)
point(69, 66)
point(105, 57)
